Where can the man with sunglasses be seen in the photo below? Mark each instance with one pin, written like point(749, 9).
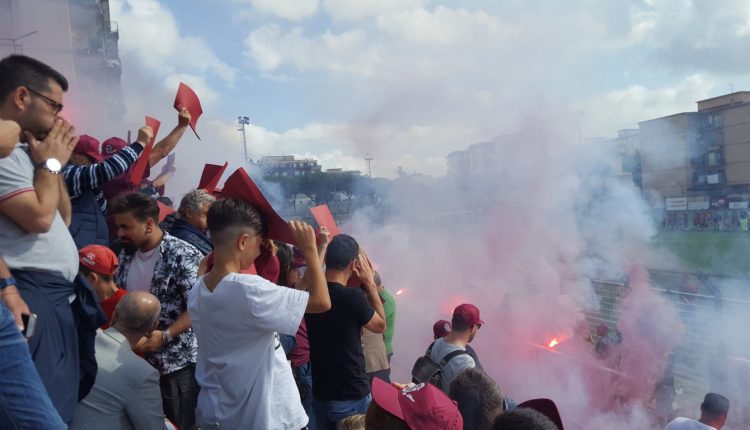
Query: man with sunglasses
point(465, 325)
point(34, 215)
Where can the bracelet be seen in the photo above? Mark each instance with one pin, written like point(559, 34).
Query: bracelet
point(166, 336)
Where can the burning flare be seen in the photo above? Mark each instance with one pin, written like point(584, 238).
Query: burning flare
point(400, 291)
point(554, 342)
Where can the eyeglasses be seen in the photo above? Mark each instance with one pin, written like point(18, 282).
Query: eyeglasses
point(56, 107)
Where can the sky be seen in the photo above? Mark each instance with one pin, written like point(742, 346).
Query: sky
point(408, 81)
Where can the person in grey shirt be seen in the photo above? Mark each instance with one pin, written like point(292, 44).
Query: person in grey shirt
point(464, 327)
point(126, 393)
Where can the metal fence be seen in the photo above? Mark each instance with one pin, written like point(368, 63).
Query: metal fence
point(713, 353)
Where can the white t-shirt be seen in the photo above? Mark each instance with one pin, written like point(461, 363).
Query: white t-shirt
point(141, 270)
point(681, 423)
point(246, 381)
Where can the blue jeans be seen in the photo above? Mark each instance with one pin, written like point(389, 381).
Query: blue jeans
point(24, 403)
point(328, 413)
point(303, 378)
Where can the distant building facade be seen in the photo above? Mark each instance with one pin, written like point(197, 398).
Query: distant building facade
point(287, 165)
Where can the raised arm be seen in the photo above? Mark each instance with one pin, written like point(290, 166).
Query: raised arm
point(168, 144)
point(319, 300)
point(81, 178)
point(366, 274)
point(34, 208)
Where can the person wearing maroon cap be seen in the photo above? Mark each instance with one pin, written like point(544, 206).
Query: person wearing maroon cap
point(99, 265)
point(441, 328)
point(85, 175)
point(465, 325)
point(417, 407)
point(121, 184)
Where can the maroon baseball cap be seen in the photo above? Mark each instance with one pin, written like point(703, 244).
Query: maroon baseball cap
point(89, 147)
point(469, 314)
point(422, 407)
point(112, 145)
point(98, 258)
point(441, 328)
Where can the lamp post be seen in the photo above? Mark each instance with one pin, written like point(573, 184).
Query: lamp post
point(242, 121)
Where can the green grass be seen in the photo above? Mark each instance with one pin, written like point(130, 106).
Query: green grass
point(716, 252)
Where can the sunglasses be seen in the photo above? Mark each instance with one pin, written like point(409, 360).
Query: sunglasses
point(56, 107)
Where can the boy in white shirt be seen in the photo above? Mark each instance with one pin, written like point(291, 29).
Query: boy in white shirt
point(245, 379)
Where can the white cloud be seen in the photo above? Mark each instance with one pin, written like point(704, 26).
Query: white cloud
point(618, 109)
point(293, 10)
point(348, 52)
point(150, 34)
point(359, 9)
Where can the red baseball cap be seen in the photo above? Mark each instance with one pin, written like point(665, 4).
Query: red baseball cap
point(89, 147)
point(468, 313)
point(441, 328)
point(422, 407)
point(99, 259)
point(112, 145)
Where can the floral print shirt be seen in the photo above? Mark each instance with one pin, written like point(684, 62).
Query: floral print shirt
point(174, 275)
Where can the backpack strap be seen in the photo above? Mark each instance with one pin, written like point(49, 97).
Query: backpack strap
point(450, 356)
point(429, 350)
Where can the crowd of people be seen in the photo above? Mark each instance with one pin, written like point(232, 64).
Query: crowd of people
point(115, 317)
point(707, 220)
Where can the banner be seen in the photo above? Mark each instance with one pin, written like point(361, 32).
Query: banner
point(676, 203)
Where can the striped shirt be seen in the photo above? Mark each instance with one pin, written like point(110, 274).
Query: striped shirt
point(93, 176)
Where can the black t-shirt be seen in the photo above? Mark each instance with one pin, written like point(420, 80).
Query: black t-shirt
point(336, 357)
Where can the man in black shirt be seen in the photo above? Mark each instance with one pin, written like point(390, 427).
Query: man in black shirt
point(340, 386)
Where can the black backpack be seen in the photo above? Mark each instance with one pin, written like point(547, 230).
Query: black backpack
point(426, 370)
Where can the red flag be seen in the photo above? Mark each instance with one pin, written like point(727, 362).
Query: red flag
point(240, 186)
point(211, 176)
point(186, 98)
point(136, 176)
point(324, 218)
point(164, 210)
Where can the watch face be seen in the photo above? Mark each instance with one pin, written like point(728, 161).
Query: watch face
point(53, 164)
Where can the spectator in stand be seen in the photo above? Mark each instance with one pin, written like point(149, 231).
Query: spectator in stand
point(165, 266)
point(244, 376)
point(98, 264)
point(523, 419)
point(85, 174)
point(389, 307)
point(714, 411)
point(34, 216)
point(464, 327)
point(376, 358)
point(126, 392)
point(161, 149)
point(373, 346)
point(479, 398)
point(340, 385)
point(21, 383)
point(417, 407)
point(191, 225)
point(441, 328)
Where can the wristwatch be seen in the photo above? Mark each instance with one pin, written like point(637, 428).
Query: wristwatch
point(167, 336)
point(7, 282)
point(51, 165)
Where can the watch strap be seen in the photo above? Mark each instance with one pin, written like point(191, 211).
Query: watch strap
point(7, 282)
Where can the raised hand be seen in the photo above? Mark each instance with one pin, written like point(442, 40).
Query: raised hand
point(183, 118)
point(304, 235)
point(59, 143)
point(145, 134)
